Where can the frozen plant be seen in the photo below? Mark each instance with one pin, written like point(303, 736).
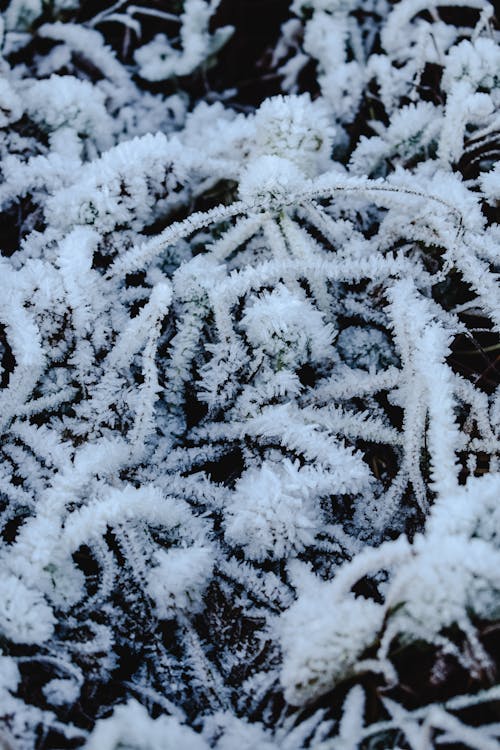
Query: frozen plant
point(249, 403)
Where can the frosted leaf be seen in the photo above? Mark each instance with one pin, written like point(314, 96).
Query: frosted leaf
point(412, 131)
point(231, 134)
point(403, 27)
point(325, 38)
point(457, 564)
point(158, 60)
point(446, 579)
point(122, 186)
point(331, 40)
point(463, 107)
point(293, 128)
point(218, 380)
point(411, 125)
point(351, 724)
point(472, 511)
point(115, 506)
point(20, 14)
point(179, 579)
point(9, 674)
point(477, 63)
point(61, 101)
point(490, 183)
point(243, 735)
point(343, 89)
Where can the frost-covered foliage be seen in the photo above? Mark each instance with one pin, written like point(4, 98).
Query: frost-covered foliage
point(249, 403)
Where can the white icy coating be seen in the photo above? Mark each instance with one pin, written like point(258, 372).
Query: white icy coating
point(131, 724)
point(178, 581)
point(235, 448)
point(272, 512)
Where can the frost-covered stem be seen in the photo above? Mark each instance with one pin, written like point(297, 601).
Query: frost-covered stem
point(413, 321)
point(331, 184)
point(140, 256)
point(477, 273)
point(370, 560)
point(421, 714)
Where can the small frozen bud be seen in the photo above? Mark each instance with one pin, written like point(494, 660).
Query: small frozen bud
point(297, 129)
point(61, 692)
point(273, 512)
point(287, 327)
point(272, 178)
point(179, 580)
point(25, 617)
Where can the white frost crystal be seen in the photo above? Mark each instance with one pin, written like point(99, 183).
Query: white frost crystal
point(273, 511)
point(287, 327)
point(25, 617)
point(295, 128)
point(130, 726)
point(271, 178)
point(247, 343)
point(178, 580)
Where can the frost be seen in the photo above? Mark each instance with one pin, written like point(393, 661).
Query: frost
point(490, 183)
point(9, 674)
point(287, 328)
point(295, 128)
point(249, 400)
point(158, 60)
point(131, 724)
point(322, 642)
point(475, 62)
point(63, 101)
point(178, 580)
point(273, 511)
point(271, 178)
point(434, 596)
point(434, 586)
point(61, 692)
point(24, 615)
point(21, 13)
point(11, 108)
